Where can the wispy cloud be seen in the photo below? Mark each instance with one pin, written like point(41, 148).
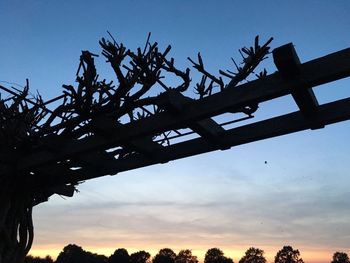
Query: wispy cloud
point(277, 216)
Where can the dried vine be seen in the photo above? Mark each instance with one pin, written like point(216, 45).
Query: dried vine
point(26, 120)
point(20, 119)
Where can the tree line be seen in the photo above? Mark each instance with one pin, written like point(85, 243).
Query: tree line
point(76, 254)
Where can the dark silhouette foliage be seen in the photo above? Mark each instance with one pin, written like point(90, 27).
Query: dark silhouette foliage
point(288, 255)
point(340, 257)
point(71, 253)
point(121, 255)
point(84, 119)
point(215, 255)
point(253, 255)
point(75, 254)
point(185, 256)
point(140, 257)
point(143, 87)
point(31, 259)
point(165, 255)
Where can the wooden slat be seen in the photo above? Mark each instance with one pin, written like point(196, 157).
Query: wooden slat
point(144, 145)
point(316, 72)
point(207, 128)
point(94, 160)
point(289, 123)
point(328, 113)
point(51, 175)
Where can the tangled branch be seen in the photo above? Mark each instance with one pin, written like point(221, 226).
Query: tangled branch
point(251, 57)
point(26, 120)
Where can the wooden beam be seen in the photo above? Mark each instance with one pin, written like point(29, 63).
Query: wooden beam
point(286, 60)
point(288, 64)
point(316, 72)
point(144, 145)
point(65, 190)
point(93, 160)
point(293, 122)
point(289, 123)
point(50, 175)
point(207, 128)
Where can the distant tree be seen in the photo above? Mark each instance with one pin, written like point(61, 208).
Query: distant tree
point(340, 257)
point(288, 255)
point(140, 257)
point(31, 259)
point(185, 256)
point(71, 254)
point(253, 255)
point(95, 258)
point(215, 255)
point(75, 254)
point(121, 255)
point(165, 255)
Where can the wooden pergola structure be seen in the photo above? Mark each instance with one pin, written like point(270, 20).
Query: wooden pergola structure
point(120, 130)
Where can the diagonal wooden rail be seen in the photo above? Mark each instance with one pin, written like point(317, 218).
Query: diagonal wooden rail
point(89, 157)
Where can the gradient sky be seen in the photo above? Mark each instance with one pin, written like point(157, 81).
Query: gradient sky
point(229, 199)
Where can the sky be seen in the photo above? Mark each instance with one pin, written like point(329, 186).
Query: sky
point(228, 199)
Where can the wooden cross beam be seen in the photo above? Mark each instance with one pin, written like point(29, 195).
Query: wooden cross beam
point(313, 73)
point(288, 64)
point(282, 125)
point(206, 128)
point(68, 161)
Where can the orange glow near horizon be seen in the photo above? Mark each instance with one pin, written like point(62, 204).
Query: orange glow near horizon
point(309, 256)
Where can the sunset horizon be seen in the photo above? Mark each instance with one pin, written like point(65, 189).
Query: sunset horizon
point(257, 166)
point(308, 255)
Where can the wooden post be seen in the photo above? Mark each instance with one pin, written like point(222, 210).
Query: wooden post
point(288, 64)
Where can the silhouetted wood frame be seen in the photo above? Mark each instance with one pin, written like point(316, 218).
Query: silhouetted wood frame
point(191, 113)
point(44, 170)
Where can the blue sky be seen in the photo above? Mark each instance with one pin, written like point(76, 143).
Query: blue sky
point(229, 199)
